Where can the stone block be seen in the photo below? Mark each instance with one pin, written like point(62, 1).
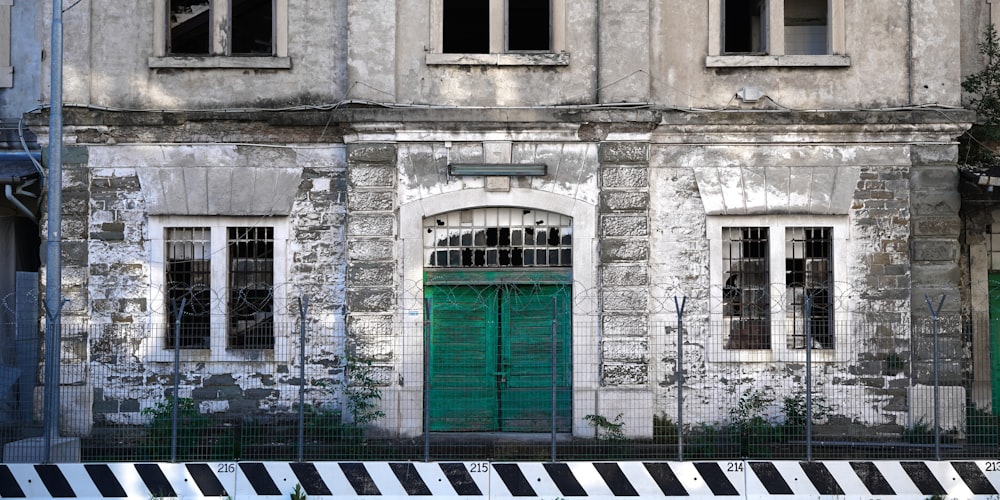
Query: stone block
point(216, 393)
point(950, 403)
point(62, 450)
point(936, 274)
point(625, 350)
point(76, 409)
point(625, 225)
point(935, 250)
point(371, 225)
point(942, 202)
point(370, 249)
point(625, 374)
point(625, 177)
point(371, 176)
point(934, 154)
point(619, 299)
point(634, 407)
point(374, 153)
point(937, 226)
point(379, 299)
point(625, 325)
point(366, 274)
point(618, 201)
point(624, 152)
point(626, 250)
point(624, 275)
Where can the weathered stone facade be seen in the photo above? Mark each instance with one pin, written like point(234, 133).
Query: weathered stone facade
point(650, 151)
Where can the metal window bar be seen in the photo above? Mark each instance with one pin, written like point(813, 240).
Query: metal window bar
point(189, 280)
point(251, 287)
point(746, 297)
point(809, 273)
point(498, 238)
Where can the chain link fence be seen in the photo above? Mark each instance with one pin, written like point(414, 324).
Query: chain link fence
point(567, 388)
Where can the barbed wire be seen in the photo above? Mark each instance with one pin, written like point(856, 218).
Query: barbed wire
point(653, 299)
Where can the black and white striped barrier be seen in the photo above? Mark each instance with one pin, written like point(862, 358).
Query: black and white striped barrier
point(404, 480)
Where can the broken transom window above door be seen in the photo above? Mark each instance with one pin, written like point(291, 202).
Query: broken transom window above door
point(498, 237)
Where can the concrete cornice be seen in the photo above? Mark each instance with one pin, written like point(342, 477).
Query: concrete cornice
point(583, 123)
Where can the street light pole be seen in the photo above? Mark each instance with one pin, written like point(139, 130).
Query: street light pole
point(53, 243)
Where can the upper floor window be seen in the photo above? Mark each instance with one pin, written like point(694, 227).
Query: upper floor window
point(777, 33)
point(498, 32)
point(221, 33)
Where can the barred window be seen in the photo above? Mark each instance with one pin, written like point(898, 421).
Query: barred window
point(498, 237)
point(189, 285)
point(809, 278)
point(218, 282)
point(752, 293)
point(251, 282)
point(746, 297)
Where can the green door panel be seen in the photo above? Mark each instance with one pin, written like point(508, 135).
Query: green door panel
point(491, 356)
point(994, 283)
point(463, 393)
point(527, 347)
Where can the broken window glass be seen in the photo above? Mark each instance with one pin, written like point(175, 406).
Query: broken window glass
point(189, 27)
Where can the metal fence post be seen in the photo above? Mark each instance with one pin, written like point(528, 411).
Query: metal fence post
point(303, 308)
point(680, 376)
point(937, 385)
point(555, 326)
point(427, 380)
point(177, 379)
point(808, 318)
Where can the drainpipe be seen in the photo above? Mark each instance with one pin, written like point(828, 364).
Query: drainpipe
point(8, 191)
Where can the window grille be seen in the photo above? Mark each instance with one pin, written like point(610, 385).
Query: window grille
point(251, 285)
point(189, 281)
point(809, 274)
point(746, 297)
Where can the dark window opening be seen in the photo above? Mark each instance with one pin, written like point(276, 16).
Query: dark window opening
point(809, 284)
point(466, 27)
point(252, 27)
point(746, 297)
point(251, 287)
point(744, 27)
point(189, 293)
point(528, 25)
point(189, 27)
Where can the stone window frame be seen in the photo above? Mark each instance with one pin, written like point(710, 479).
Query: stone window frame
point(499, 55)
point(219, 57)
point(218, 350)
point(777, 225)
point(775, 51)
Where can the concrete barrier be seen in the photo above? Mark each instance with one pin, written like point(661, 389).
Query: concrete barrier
point(594, 480)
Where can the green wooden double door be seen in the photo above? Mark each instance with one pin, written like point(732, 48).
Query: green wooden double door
point(493, 362)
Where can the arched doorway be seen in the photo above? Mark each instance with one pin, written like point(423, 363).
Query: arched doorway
point(498, 284)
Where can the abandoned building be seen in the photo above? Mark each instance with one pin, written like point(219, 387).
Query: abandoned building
point(485, 200)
